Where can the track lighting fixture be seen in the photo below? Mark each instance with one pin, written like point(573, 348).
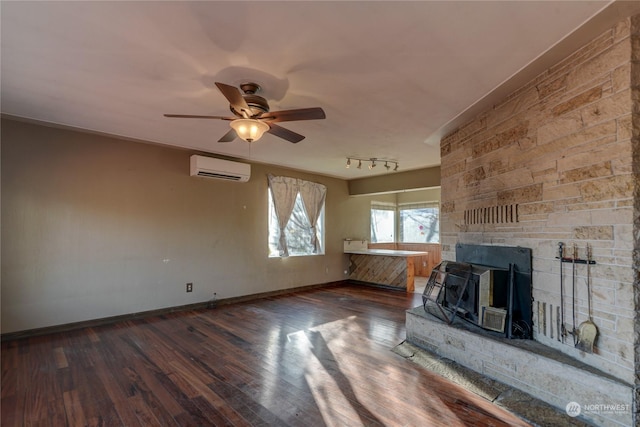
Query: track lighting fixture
point(373, 161)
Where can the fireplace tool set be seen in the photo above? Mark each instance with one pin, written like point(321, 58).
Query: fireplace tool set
point(584, 335)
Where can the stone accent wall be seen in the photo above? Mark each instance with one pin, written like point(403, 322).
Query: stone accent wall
point(635, 142)
point(558, 154)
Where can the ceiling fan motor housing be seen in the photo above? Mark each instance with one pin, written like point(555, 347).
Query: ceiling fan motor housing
point(256, 103)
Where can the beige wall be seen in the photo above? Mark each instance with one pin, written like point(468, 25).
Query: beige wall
point(94, 227)
point(396, 181)
point(560, 149)
point(428, 195)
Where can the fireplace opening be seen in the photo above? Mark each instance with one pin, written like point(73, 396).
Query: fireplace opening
point(488, 286)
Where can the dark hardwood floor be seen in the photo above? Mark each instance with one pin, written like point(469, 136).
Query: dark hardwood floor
point(314, 358)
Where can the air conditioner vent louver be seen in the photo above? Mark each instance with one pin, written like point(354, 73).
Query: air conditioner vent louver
point(218, 175)
point(209, 167)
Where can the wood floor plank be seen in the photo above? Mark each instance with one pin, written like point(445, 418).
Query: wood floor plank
point(114, 385)
point(311, 358)
point(73, 409)
point(61, 359)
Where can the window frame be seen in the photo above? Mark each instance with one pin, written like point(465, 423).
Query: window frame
point(398, 224)
point(383, 206)
point(415, 206)
point(273, 228)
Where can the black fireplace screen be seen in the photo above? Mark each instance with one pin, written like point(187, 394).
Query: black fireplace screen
point(489, 286)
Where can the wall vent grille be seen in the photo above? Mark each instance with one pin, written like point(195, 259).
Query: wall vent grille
point(499, 214)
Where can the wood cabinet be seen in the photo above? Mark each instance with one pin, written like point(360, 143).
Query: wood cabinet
point(394, 268)
point(422, 265)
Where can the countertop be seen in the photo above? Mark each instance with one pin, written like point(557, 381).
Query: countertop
point(387, 252)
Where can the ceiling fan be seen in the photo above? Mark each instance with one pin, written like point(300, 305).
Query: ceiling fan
point(252, 116)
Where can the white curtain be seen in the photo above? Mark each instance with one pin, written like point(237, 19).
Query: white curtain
point(313, 196)
point(284, 191)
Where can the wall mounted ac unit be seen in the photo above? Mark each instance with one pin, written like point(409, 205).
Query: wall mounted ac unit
point(210, 167)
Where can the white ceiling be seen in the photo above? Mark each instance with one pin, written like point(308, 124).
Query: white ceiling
point(391, 76)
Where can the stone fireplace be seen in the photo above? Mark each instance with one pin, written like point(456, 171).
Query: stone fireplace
point(559, 161)
point(488, 286)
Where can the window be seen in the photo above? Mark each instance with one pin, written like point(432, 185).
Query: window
point(415, 223)
point(419, 223)
point(303, 201)
point(383, 223)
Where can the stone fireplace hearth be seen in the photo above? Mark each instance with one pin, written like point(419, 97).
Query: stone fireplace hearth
point(526, 365)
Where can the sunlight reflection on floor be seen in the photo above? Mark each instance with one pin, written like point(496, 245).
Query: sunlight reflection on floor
point(336, 377)
point(354, 379)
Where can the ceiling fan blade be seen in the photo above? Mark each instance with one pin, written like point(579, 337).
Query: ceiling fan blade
point(315, 113)
point(190, 116)
point(229, 136)
point(234, 97)
point(285, 133)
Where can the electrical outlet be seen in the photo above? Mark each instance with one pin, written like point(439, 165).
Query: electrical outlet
point(189, 287)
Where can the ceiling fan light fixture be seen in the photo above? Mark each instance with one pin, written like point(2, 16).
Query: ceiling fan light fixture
point(348, 163)
point(249, 129)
